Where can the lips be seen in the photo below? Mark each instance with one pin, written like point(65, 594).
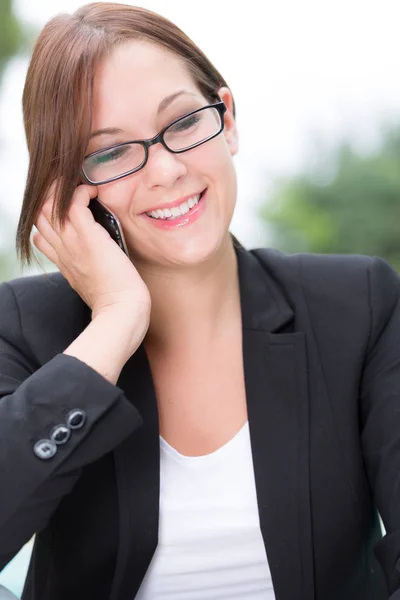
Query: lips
point(180, 222)
point(174, 202)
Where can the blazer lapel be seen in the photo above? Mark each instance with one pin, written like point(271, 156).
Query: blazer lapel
point(137, 464)
point(275, 370)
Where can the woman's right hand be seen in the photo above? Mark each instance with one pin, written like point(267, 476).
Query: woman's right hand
point(94, 265)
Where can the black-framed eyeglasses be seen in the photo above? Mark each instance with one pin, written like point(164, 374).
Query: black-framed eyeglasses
point(183, 134)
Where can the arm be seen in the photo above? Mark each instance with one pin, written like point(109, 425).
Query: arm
point(380, 414)
point(35, 400)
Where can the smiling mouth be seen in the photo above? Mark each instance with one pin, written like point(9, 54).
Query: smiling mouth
point(170, 214)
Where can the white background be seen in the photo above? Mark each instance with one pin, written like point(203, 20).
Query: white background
point(302, 72)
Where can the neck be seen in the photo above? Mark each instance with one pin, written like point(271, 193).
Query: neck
point(191, 307)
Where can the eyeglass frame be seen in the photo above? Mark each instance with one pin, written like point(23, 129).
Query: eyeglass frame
point(158, 139)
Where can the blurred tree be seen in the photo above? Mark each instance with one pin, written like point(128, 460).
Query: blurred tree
point(349, 204)
point(9, 266)
point(11, 34)
point(12, 39)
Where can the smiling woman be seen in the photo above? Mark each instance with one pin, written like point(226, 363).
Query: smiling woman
point(184, 418)
point(69, 131)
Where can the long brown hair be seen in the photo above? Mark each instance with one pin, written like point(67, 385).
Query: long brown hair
point(58, 92)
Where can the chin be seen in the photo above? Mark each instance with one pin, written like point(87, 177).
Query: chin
point(191, 249)
point(199, 250)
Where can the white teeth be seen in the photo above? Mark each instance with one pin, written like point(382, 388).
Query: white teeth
point(184, 208)
point(177, 211)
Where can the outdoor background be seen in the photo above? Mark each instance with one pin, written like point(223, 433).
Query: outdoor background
point(317, 89)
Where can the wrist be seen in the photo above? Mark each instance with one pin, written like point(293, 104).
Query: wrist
point(124, 328)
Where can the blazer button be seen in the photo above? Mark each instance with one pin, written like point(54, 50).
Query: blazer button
point(76, 418)
point(45, 449)
point(60, 434)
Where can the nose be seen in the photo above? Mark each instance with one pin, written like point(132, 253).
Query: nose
point(163, 168)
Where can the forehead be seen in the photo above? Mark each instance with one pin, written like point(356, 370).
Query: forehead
point(134, 78)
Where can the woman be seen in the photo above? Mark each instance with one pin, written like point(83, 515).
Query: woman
point(190, 419)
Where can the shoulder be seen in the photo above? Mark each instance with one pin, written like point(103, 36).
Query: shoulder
point(354, 283)
point(301, 266)
point(37, 285)
point(328, 271)
point(45, 293)
point(43, 310)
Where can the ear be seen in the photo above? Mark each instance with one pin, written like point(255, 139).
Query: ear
point(230, 130)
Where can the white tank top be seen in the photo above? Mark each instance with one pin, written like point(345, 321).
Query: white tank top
point(210, 545)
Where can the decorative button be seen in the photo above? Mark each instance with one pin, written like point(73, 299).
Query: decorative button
point(76, 418)
point(45, 449)
point(60, 434)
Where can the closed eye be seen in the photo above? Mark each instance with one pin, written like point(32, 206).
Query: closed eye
point(109, 155)
point(185, 124)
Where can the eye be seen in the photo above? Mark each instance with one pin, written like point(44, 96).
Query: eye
point(185, 123)
point(109, 155)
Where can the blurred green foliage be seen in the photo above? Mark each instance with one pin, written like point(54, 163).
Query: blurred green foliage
point(12, 36)
point(9, 266)
point(350, 203)
point(12, 39)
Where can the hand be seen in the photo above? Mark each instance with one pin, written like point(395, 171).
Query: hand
point(94, 265)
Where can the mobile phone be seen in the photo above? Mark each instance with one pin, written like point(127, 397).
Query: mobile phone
point(109, 221)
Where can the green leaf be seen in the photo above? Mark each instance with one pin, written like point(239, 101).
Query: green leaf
point(355, 210)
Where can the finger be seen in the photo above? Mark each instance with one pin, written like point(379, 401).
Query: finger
point(64, 241)
point(48, 204)
point(47, 208)
point(45, 248)
point(47, 231)
point(48, 211)
point(67, 243)
point(52, 189)
point(65, 232)
point(81, 198)
point(50, 192)
point(79, 213)
point(84, 193)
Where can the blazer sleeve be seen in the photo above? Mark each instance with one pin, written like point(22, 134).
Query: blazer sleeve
point(380, 413)
point(33, 401)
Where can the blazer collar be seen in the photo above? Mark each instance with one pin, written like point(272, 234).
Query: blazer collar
point(264, 306)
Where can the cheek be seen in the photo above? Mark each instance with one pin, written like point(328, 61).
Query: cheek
point(224, 169)
point(214, 161)
point(216, 164)
point(117, 195)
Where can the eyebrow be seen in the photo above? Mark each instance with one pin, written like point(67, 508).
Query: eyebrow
point(161, 107)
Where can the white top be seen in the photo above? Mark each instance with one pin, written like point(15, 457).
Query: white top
point(210, 545)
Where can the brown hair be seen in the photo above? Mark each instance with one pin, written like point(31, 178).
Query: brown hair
point(57, 97)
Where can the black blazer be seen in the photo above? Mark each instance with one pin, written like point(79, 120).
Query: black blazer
point(321, 351)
